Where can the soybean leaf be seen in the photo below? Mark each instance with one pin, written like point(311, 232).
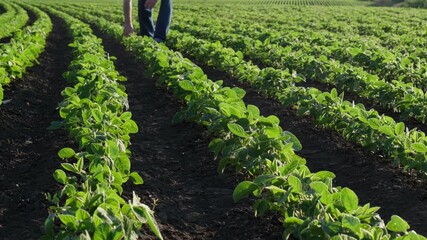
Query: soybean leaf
point(66, 153)
point(399, 128)
point(237, 130)
point(294, 220)
point(296, 144)
point(386, 130)
point(186, 85)
point(81, 214)
point(60, 176)
point(295, 183)
point(102, 232)
point(318, 186)
point(131, 126)
point(419, 147)
point(243, 189)
point(136, 178)
point(397, 224)
point(350, 222)
point(349, 199)
point(273, 132)
point(68, 220)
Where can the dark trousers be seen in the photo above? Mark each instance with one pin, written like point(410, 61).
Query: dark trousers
point(163, 20)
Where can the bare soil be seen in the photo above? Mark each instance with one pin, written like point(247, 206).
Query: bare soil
point(192, 200)
point(28, 151)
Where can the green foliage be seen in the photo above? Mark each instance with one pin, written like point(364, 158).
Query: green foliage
point(26, 45)
point(312, 208)
point(90, 205)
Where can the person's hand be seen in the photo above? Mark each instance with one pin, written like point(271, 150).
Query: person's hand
point(128, 30)
point(150, 4)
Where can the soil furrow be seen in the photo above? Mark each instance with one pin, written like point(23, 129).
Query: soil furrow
point(191, 200)
point(28, 151)
point(371, 176)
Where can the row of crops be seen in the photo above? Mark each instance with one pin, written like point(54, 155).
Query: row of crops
point(280, 2)
point(282, 57)
point(26, 45)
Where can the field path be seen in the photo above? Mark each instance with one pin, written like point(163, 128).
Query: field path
point(193, 201)
point(28, 152)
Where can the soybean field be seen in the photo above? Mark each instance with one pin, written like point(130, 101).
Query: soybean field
point(257, 119)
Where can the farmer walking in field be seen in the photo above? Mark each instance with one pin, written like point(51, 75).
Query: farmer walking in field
point(145, 11)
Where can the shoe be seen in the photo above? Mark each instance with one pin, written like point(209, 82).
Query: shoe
point(159, 40)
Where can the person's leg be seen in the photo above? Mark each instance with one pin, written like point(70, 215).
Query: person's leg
point(163, 20)
point(145, 19)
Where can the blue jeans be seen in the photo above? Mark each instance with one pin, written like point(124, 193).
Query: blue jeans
point(163, 20)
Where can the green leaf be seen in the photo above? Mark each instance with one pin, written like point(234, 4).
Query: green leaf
point(136, 178)
point(397, 224)
point(296, 144)
point(102, 231)
point(349, 199)
point(131, 126)
point(237, 130)
point(97, 115)
point(48, 226)
point(406, 62)
point(113, 149)
point(327, 198)
point(295, 183)
point(223, 164)
point(419, 147)
point(350, 222)
point(151, 221)
point(399, 128)
point(412, 235)
point(290, 167)
point(294, 220)
point(387, 130)
point(243, 189)
point(239, 92)
point(66, 153)
point(68, 220)
point(145, 214)
point(374, 123)
point(261, 207)
point(80, 164)
point(69, 190)
point(254, 110)
point(60, 176)
point(318, 186)
point(273, 132)
point(69, 167)
point(273, 119)
point(186, 85)
point(324, 175)
point(126, 116)
point(82, 214)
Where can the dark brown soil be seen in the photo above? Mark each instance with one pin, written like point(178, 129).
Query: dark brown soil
point(32, 16)
point(371, 176)
point(192, 200)
point(27, 150)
